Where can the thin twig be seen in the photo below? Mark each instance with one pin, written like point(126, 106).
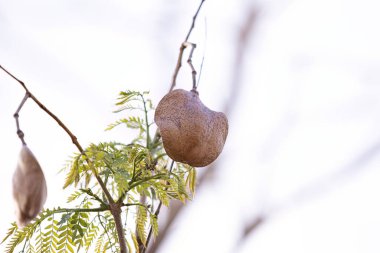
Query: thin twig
point(190, 62)
point(183, 47)
point(194, 19)
point(63, 126)
point(104, 227)
point(114, 207)
point(16, 116)
point(311, 191)
point(81, 210)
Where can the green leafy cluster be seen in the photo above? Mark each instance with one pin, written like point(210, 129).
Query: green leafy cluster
point(138, 175)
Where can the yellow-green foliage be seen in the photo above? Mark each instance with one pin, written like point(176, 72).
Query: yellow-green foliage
point(130, 170)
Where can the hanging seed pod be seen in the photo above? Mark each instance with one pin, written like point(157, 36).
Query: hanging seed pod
point(29, 187)
point(191, 132)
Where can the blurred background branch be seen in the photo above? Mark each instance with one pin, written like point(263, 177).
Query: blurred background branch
point(314, 190)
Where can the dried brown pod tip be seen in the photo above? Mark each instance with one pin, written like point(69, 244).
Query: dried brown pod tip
point(191, 132)
point(29, 187)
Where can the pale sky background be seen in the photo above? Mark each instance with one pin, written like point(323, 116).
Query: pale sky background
point(304, 141)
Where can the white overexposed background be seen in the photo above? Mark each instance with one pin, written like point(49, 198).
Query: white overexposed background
point(303, 150)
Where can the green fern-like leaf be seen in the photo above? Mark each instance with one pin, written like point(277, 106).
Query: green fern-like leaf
point(127, 96)
point(74, 196)
point(10, 232)
point(121, 178)
point(73, 175)
point(30, 248)
point(90, 235)
point(78, 223)
point(135, 243)
point(141, 221)
point(132, 122)
point(191, 180)
point(49, 240)
point(65, 242)
point(162, 195)
point(99, 244)
point(154, 224)
point(15, 240)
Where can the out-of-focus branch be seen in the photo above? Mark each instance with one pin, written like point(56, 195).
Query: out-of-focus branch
point(243, 37)
point(315, 189)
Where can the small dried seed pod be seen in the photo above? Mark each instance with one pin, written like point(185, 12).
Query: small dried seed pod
point(29, 187)
point(191, 132)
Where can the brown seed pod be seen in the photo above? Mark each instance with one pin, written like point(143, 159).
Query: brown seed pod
point(29, 187)
point(191, 132)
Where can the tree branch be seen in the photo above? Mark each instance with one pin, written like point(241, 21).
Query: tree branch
point(318, 187)
point(183, 47)
point(115, 209)
point(194, 19)
point(81, 210)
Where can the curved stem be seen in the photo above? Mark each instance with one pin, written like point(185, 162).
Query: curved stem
point(118, 223)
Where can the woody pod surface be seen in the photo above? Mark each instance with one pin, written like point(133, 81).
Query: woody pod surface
point(29, 187)
point(191, 132)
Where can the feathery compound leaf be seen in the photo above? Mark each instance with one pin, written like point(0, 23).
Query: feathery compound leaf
point(10, 232)
point(49, 240)
point(90, 235)
point(73, 174)
point(192, 180)
point(99, 243)
point(135, 243)
point(129, 246)
point(154, 224)
point(65, 243)
point(78, 223)
point(121, 178)
point(162, 195)
point(25, 233)
point(141, 221)
point(130, 122)
point(74, 196)
point(127, 96)
point(128, 171)
point(30, 248)
point(16, 239)
point(126, 99)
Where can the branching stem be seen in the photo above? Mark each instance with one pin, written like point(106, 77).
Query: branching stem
point(183, 47)
point(16, 116)
point(190, 62)
point(115, 209)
